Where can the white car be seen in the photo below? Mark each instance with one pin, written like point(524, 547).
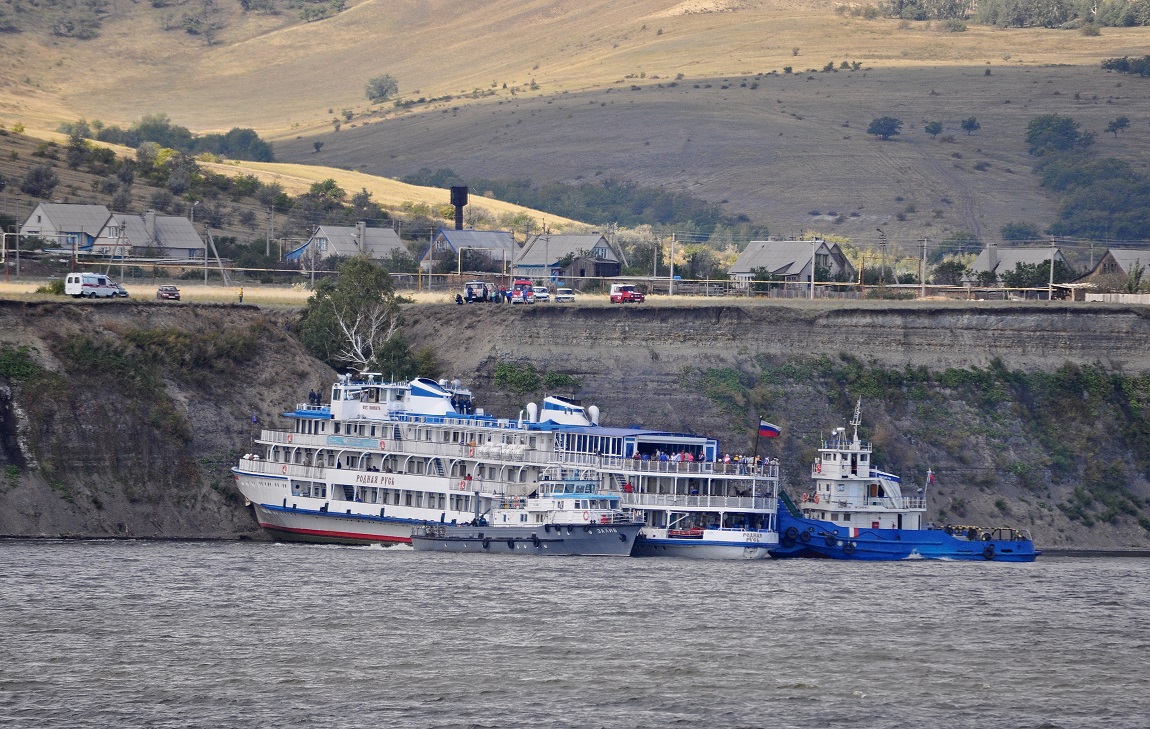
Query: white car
point(541, 293)
point(564, 295)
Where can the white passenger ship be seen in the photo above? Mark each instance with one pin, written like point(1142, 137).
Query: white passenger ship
point(383, 458)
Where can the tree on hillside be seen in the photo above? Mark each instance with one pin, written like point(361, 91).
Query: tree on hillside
point(970, 125)
point(39, 181)
point(1051, 133)
point(379, 88)
point(885, 127)
point(1118, 125)
point(350, 319)
point(933, 128)
point(1020, 231)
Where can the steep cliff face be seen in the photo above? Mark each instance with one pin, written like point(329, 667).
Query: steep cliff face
point(123, 418)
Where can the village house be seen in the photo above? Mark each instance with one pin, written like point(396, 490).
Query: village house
point(63, 225)
point(554, 256)
point(792, 261)
point(999, 261)
point(149, 236)
point(347, 242)
point(1113, 270)
point(497, 245)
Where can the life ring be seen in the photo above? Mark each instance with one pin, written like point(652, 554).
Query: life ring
point(816, 498)
point(849, 548)
point(805, 537)
point(382, 444)
point(289, 438)
point(463, 485)
point(471, 448)
point(818, 467)
point(586, 515)
point(805, 498)
point(284, 470)
point(988, 551)
point(792, 533)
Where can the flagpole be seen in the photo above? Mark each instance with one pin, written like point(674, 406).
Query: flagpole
point(758, 431)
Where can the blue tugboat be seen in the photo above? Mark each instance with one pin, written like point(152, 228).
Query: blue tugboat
point(859, 512)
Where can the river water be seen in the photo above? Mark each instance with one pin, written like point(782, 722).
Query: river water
point(169, 634)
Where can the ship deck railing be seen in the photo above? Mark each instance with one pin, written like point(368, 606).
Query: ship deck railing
point(764, 502)
point(255, 464)
point(518, 454)
point(885, 503)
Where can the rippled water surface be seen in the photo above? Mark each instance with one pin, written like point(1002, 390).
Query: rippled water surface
point(158, 634)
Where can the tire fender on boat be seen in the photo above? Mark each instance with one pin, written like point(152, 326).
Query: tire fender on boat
point(805, 537)
point(511, 544)
point(622, 537)
point(486, 543)
point(535, 540)
point(830, 540)
point(988, 551)
point(849, 548)
point(792, 533)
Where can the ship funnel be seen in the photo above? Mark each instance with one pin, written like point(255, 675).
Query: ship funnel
point(593, 413)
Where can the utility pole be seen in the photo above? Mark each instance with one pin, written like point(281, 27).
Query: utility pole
point(882, 247)
point(671, 276)
point(1050, 286)
point(814, 251)
point(922, 277)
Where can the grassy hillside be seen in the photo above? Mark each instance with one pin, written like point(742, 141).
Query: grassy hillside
point(567, 91)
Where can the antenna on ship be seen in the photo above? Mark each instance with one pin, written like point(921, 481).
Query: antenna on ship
point(857, 418)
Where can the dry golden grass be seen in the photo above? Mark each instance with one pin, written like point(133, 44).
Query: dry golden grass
point(795, 144)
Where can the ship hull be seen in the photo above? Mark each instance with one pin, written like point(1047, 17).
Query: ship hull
point(302, 525)
point(707, 548)
point(615, 540)
point(800, 537)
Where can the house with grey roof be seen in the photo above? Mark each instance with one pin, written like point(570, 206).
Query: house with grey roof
point(1115, 266)
point(999, 261)
point(554, 256)
point(66, 226)
point(792, 261)
point(347, 242)
point(497, 245)
point(149, 236)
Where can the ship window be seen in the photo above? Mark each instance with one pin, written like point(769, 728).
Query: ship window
point(336, 426)
point(846, 517)
point(407, 498)
point(862, 457)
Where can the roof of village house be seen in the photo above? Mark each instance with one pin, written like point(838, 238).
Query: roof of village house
point(68, 218)
point(1009, 258)
point(554, 247)
point(172, 231)
point(780, 257)
point(1127, 257)
point(489, 239)
point(343, 240)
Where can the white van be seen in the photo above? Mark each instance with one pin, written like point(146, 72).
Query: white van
point(91, 285)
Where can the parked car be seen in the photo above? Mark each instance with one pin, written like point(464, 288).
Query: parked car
point(541, 293)
point(562, 295)
point(168, 292)
point(625, 293)
point(119, 291)
point(522, 296)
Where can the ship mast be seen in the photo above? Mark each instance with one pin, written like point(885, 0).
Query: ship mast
point(857, 419)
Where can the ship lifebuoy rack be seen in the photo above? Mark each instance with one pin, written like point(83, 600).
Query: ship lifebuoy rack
point(284, 469)
point(289, 437)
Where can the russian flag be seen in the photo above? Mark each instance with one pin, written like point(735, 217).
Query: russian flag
point(767, 430)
